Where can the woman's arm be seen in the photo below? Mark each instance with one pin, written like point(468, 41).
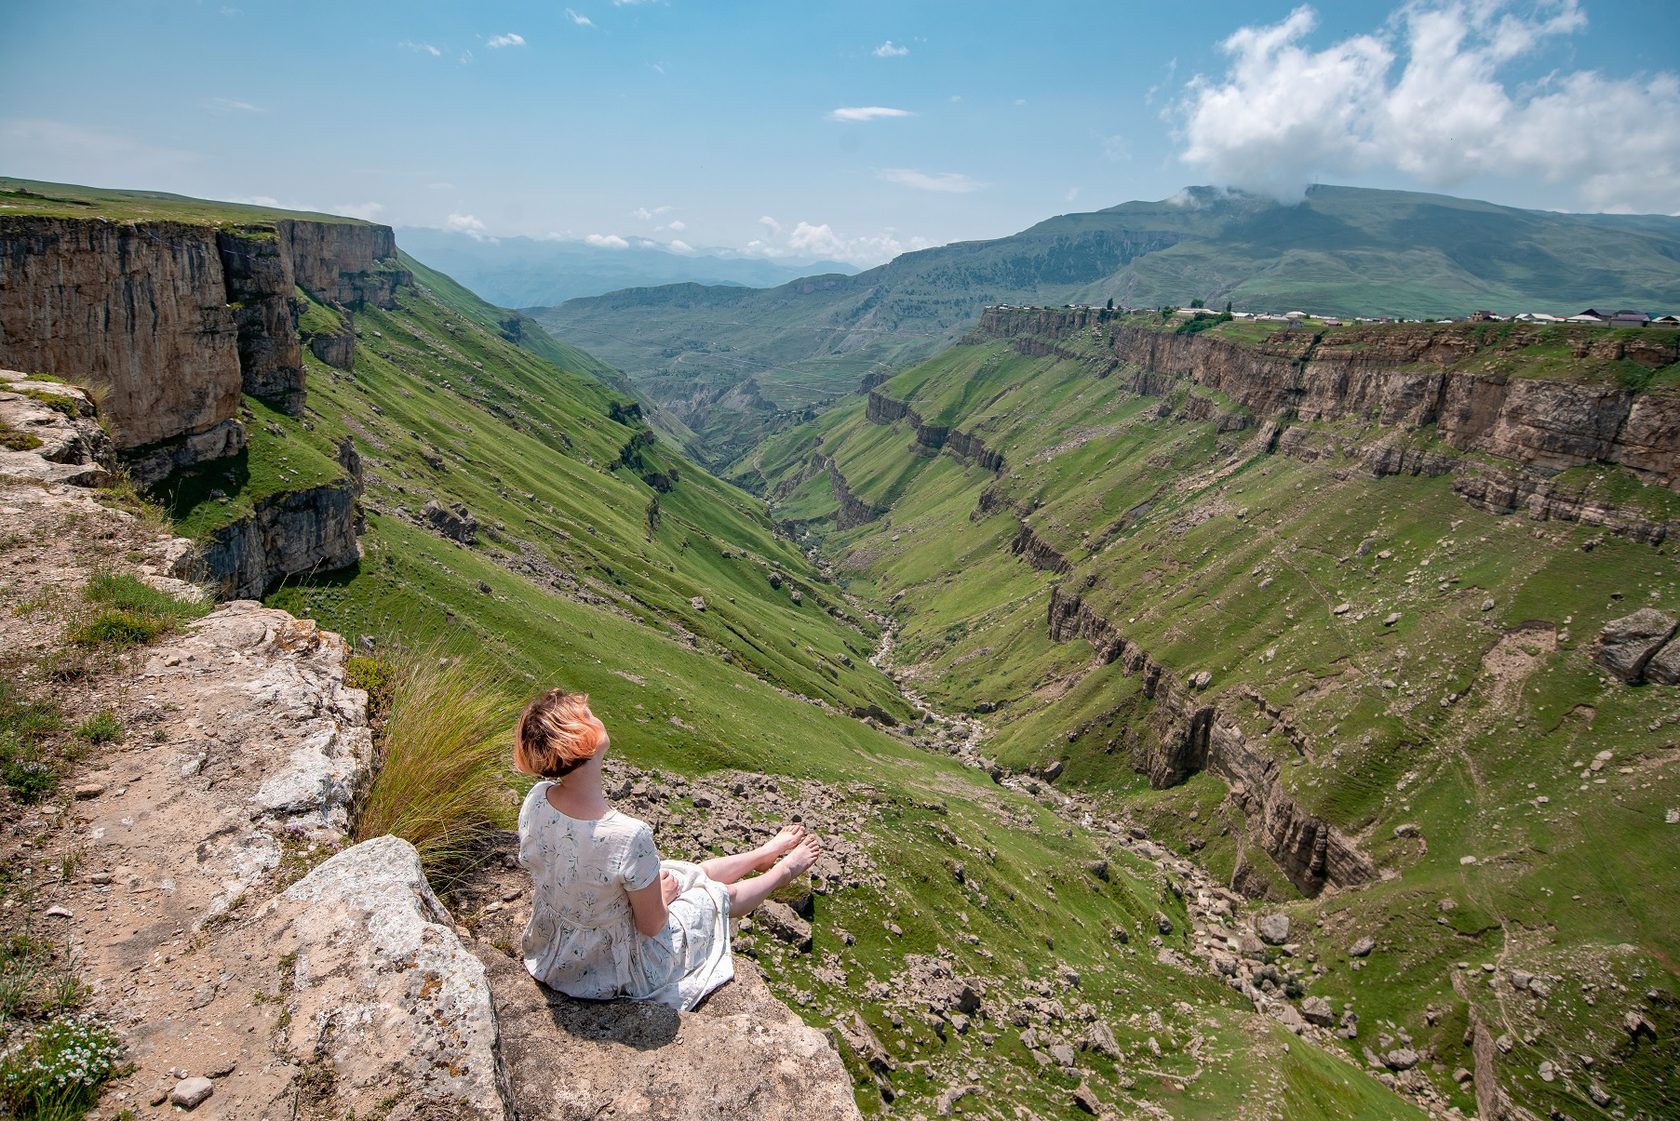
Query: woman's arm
point(650, 905)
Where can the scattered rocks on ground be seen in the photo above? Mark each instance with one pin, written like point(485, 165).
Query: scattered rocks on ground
point(1273, 928)
point(190, 1093)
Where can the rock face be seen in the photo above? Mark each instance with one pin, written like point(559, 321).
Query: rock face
point(139, 310)
point(743, 1055)
point(1187, 734)
point(258, 276)
point(382, 990)
point(1628, 646)
point(296, 533)
point(1401, 379)
point(930, 438)
point(854, 511)
point(172, 322)
point(48, 433)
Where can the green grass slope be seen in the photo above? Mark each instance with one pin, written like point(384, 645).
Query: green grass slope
point(1455, 696)
point(572, 581)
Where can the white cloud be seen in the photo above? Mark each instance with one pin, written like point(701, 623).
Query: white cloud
point(467, 224)
point(508, 40)
point(866, 113)
point(606, 241)
point(1285, 114)
point(232, 105)
point(887, 50)
point(677, 225)
point(420, 48)
point(952, 182)
point(681, 246)
point(648, 215)
point(367, 211)
point(1072, 193)
point(807, 239)
point(579, 19)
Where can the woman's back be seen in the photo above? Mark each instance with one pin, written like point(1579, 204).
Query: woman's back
point(582, 939)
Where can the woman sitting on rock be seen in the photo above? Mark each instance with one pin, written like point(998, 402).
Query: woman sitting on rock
point(608, 917)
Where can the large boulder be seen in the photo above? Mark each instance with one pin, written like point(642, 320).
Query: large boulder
point(743, 1055)
point(382, 991)
point(1628, 644)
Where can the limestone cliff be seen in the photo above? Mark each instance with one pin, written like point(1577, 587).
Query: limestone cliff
point(1405, 379)
point(171, 322)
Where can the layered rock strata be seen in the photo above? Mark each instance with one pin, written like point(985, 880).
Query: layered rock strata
point(48, 433)
point(1402, 379)
point(1189, 733)
point(931, 438)
point(170, 323)
point(294, 533)
point(854, 511)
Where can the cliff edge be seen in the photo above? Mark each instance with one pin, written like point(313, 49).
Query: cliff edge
point(254, 962)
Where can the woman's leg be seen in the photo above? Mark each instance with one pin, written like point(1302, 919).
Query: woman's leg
point(745, 895)
point(728, 869)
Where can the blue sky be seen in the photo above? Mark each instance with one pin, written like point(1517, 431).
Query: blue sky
point(847, 129)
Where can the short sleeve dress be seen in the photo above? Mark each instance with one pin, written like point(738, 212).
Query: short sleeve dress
point(582, 938)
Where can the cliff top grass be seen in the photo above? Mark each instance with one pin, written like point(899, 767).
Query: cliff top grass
point(66, 200)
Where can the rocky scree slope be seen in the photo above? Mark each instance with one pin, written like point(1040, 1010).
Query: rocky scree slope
point(1230, 586)
point(252, 960)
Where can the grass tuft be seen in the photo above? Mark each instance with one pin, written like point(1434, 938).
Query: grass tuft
point(441, 776)
point(104, 728)
point(131, 612)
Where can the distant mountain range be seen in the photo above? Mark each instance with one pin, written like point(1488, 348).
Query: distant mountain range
point(522, 272)
point(732, 363)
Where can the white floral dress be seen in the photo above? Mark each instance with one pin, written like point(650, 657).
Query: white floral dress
point(582, 938)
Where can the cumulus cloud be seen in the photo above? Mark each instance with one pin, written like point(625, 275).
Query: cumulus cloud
point(420, 48)
point(1426, 95)
point(467, 224)
point(866, 113)
point(579, 19)
point(606, 241)
point(648, 215)
point(508, 40)
point(681, 246)
point(676, 225)
point(952, 182)
point(367, 211)
point(808, 239)
point(888, 50)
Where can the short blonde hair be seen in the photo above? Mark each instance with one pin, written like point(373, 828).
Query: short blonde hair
point(553, 738)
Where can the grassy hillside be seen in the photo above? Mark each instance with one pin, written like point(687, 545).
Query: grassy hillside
point(572, 580)
point(1448, 719)
point(1342, 251)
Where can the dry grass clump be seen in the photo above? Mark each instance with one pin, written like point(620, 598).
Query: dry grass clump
point(441, 778)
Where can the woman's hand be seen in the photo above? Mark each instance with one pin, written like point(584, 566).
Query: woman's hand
point(668, 887)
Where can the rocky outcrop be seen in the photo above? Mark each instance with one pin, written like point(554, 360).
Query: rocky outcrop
point(382, 992)
point(1187, 734)
point(295, 533)
point(139, 312)
point(1408, 378)
point(1033, 549)
point(931, 438)
point(48, 433)
point(337, 349)
point(854, 511)
point(454, 522)
point(1628, 646)
point(1500, 492)
point(170, 323)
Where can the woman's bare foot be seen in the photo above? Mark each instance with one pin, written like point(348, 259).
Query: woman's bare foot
point(772, 849)
point(799, 859)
